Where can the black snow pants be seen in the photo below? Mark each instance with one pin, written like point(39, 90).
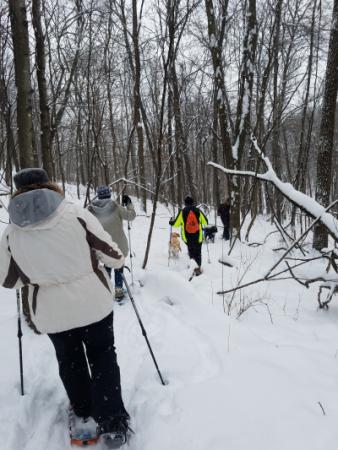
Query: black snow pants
point(96, 391)
point(195, 249)
point(226, 234)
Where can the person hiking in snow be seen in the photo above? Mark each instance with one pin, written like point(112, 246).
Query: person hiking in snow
point(52, 248)
point(224, 213)
point(191, 219)
point(111, 216)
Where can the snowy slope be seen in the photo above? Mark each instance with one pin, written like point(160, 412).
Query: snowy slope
point(256, 382)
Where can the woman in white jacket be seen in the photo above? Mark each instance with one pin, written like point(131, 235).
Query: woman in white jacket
point(53, 249)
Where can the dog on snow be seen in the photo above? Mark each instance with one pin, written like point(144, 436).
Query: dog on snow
point(174, 245)
point(209, 233)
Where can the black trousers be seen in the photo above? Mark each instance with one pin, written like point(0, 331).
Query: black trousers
point(226, 228)
point(95, 390)
point(117, 276)
point(195, 250)
point(226, 234)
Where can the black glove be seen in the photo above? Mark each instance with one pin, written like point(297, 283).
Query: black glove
point(126, 200)
point(171, 221)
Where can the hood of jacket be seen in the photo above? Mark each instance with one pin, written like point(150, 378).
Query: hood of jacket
point(102, 207)
point(33, 207)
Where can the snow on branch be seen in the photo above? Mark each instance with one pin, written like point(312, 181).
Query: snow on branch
point(303, 201)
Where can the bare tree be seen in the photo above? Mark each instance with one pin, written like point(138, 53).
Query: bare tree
point(137, 99)
point(20, 39)
point(42, 84)
point(327, 128)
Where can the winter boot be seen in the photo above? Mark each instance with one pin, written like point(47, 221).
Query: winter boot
point(82, 430)
point(119, 294)
point(197, 271)
point(114, 432)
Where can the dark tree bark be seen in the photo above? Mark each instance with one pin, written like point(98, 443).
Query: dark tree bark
point(327, 129)
point(242, 127)
point(170, 150)
point(214, 152)
point(181, 144)
point(47, 160)
point(302, 157)
point(216, 37)
point(137, 104)
point(243, 119)
point(20, 39)
point(215, 45)
point(277, 108)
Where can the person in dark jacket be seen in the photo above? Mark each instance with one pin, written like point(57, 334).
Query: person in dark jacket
point(191, 220)
point(224, 213)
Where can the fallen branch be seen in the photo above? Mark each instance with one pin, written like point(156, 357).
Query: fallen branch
point(269, 277)
point(294, 276)
point(272, 277)
point(303, 201)
point(295, 243)
point(286, 235)
point(333, 289)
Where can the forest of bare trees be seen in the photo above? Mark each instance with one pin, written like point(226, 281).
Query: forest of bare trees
point(150, 91)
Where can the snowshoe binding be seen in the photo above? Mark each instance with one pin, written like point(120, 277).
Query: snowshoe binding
point(114, 433)
point(120, 296)
point(82, 430)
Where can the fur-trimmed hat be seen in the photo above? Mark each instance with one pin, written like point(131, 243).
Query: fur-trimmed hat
point(26, 177)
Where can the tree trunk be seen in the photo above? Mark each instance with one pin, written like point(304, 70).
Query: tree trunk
point(42, 85)
point(242, 127)
point(20, 39)
point(327, 129)
point(137, 105)
point(215, 46)
point(181, 145)
point(170, 148)
point(214, 152)
point(276, 109)
point(302, 158)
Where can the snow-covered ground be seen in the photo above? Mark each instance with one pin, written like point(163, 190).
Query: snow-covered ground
point(266, 380)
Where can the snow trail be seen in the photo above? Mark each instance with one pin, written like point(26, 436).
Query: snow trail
point(257, 382)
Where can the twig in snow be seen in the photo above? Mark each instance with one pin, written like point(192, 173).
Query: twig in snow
point(294, 276)
point(299, 239)
point(270, 277)
point(254, 244)
point(321, 406)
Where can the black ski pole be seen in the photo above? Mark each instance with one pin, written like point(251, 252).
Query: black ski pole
point(130, 255)
point(207, 242)
point(142, 328)
point(20, 342)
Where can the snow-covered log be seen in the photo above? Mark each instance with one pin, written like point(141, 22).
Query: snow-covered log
point(303, 201)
